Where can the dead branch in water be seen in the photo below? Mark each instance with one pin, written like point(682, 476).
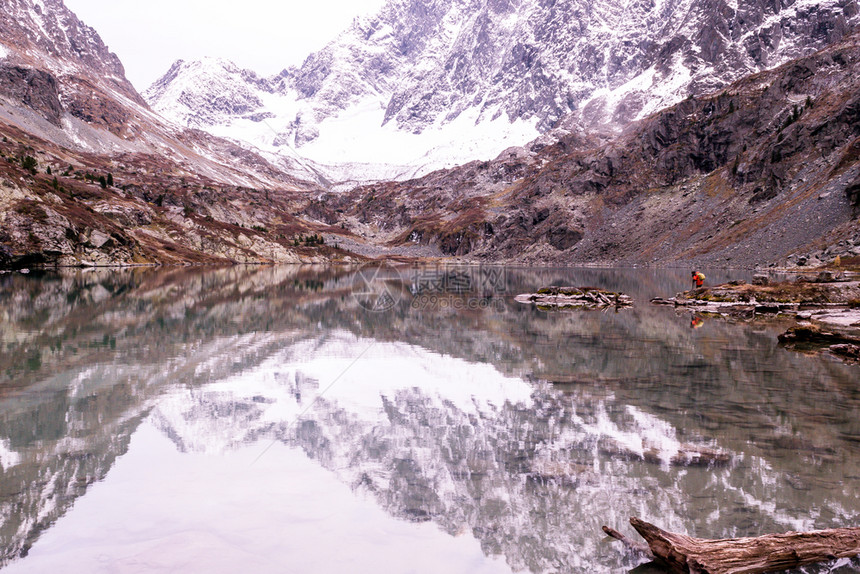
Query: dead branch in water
point(769, 553)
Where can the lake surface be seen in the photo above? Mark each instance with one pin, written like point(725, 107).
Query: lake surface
point(330, 420)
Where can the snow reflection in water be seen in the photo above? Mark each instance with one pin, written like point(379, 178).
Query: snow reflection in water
point(303, 435)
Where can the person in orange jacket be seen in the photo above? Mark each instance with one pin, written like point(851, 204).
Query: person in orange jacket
point(698, 279)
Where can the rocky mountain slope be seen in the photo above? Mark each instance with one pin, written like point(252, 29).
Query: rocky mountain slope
point(765, 170)
point(762, 170)
point(427, 84)
point(72, 91)
point(90, 175)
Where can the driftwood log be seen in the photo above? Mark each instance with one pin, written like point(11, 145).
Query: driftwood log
point(631, 545)
point(769, 553)
point(576, 297)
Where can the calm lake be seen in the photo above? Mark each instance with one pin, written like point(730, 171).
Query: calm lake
point(332, 420)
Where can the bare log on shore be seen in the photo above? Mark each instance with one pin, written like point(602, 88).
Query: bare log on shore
point(576, 297)
point(769, 553)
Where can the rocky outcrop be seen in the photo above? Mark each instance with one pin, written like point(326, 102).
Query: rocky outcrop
point(47, 36)
point(153, 211)
point(36, 89)
point(753, 173)
point(575, 298)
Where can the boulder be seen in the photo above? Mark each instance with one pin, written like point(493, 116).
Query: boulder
point(98, 239)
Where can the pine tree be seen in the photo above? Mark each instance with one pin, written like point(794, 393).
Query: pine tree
point(29, 163)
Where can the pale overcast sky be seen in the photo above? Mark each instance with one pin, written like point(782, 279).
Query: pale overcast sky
point(262, 35)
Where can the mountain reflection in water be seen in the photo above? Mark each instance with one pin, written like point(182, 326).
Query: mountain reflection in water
point(434, 408)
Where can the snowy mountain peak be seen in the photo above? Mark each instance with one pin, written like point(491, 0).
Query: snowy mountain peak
point(206, 92)
point(427, 84)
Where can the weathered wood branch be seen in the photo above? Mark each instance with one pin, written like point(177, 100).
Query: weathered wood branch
point(769, 553)
point(636, 547)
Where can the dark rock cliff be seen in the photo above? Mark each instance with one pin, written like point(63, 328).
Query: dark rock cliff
point(763, 169)
point(36, 89)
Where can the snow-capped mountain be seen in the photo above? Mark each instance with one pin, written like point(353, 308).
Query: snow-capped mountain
point(69, 119)
point(340, 136)
point(62, 84)
point(225, 91)
point(425, 84)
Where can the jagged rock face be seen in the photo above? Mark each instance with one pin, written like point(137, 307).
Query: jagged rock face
point(427, 63)
point(55, 52)
point(37, 90)
point(47, 35)
point(761, 170)
point(227, 91)
point(153, 211)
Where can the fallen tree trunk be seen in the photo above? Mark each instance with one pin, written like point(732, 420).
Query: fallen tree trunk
point(576, 297)
point(769, 553)
point(631, 545)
